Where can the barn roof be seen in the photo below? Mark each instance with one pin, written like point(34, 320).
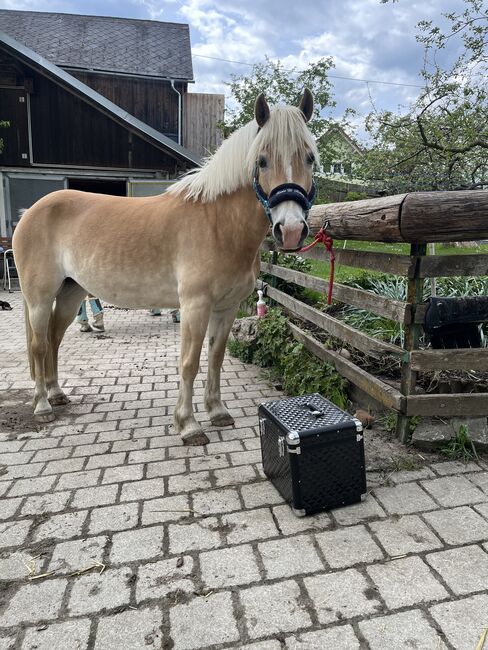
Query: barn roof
point(124, 45)
point(87, 94)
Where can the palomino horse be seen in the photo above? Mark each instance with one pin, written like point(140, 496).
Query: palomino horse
point(198, 244)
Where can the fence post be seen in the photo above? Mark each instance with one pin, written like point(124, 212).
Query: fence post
point(411, 341)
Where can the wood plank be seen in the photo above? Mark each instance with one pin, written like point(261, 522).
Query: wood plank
point(384, 262)
point(335, 327)
point(460, 359)
point(383, 393)
point(448, 405)
point(393, 309)
point(445, 216)
point(439, 266)
point(366, 220)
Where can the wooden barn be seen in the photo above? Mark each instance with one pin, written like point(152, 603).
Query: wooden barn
point(99, 104)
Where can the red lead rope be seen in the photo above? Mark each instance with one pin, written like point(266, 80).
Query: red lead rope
point(328, 242)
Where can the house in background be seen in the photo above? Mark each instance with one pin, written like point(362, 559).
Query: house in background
point(98, 104)
point(338, 153)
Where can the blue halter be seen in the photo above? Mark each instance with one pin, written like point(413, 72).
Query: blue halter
point(284, 192)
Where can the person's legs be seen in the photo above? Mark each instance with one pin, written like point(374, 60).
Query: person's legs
point(82, 318)
point(97, 311)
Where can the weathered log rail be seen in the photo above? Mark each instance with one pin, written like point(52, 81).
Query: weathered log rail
point(417, 219)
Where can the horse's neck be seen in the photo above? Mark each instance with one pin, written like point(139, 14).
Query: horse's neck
point(246, 216)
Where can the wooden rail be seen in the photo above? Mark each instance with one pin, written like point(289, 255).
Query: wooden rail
point(410, 313)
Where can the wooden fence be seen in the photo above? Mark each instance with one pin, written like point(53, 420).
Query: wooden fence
point(417, 219)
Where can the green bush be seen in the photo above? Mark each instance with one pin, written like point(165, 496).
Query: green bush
point(300, 372)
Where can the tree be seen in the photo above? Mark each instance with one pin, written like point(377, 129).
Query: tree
point(442, 141)
point(280, 86)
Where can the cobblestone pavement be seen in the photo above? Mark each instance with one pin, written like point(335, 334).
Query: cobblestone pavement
point(115, 536)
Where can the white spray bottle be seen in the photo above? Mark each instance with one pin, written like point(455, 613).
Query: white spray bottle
point(261, 305)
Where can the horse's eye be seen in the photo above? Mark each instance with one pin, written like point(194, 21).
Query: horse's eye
point(262, 162)
point(310, 159)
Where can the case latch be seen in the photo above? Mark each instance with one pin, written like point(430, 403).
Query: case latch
point(281, 446)
point(262, 426)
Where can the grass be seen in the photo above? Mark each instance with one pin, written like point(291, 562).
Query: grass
point(347, 273)
point(460, 447)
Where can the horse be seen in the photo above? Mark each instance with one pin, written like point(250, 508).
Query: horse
point(198, 243)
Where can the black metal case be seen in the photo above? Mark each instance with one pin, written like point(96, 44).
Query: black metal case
point(313, 453)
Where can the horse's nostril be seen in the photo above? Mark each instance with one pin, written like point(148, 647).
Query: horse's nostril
point(277, 233)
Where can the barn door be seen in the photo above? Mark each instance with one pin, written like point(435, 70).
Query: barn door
point(16, 136)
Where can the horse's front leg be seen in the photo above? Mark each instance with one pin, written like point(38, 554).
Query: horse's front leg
point(194, 322)
point(218, 333)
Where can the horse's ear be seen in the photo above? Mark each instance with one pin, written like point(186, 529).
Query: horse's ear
point(261, 110)
point(306, 104)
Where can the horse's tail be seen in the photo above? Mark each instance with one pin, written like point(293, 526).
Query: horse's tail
point(28, 336)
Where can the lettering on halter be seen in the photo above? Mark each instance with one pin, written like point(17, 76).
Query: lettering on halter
point(284, 192)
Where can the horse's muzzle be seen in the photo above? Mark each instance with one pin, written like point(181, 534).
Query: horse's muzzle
point(290, 237)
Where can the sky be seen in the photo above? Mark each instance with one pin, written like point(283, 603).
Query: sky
point(369, 41)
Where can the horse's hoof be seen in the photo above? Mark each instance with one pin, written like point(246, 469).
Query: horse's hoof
point(195, 439)
point(59, 400)
point(44, 417)
point(222, 420)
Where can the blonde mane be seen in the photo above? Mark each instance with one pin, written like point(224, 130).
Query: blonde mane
point(284, 135)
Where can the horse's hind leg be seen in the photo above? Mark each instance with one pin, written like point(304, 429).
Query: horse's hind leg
point(39, 315)
point(218, 333)
point(194, 321)
point(65, 308)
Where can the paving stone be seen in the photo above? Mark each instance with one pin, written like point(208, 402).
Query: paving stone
point(462, 621)
point(52, 454)
point(334, 638)
point(62, 526)
point(265, 645)
point(453, 491)
point(69, 557)
point(78, 479)
point(166, 509)
point(465, 570)
point(41, 503)
point(366, 510)
point(55, 636)
point(123, 473)
point(342, 595)
point(287, 557)
point(32, 486)
point(145, 489)
point(106, 460)
point(203, 622)
point(245, 457)
point(289, 523)
point(113, 518)
point(24, 471)
point(407, 534)
point(8, 642)
point(234, 475)
point(347, 546)
point(455, 467)
point(13, 564)
point(260, 494)
point(406, 581)
point(404, 499)
point(62, 466)
point(13, 533)
point(34, 602)
point(480, 479)
point(93, 592)
point(229, 567)
point(166, 468)
point(189, 482)
point(406, 476)
point(163, 578)
point(195, 535)
point(130, 630)
point(404, 630)
point(142, 544)
point(215, 501)
point(8, 507)
point(458, 525)
point(274, 609)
